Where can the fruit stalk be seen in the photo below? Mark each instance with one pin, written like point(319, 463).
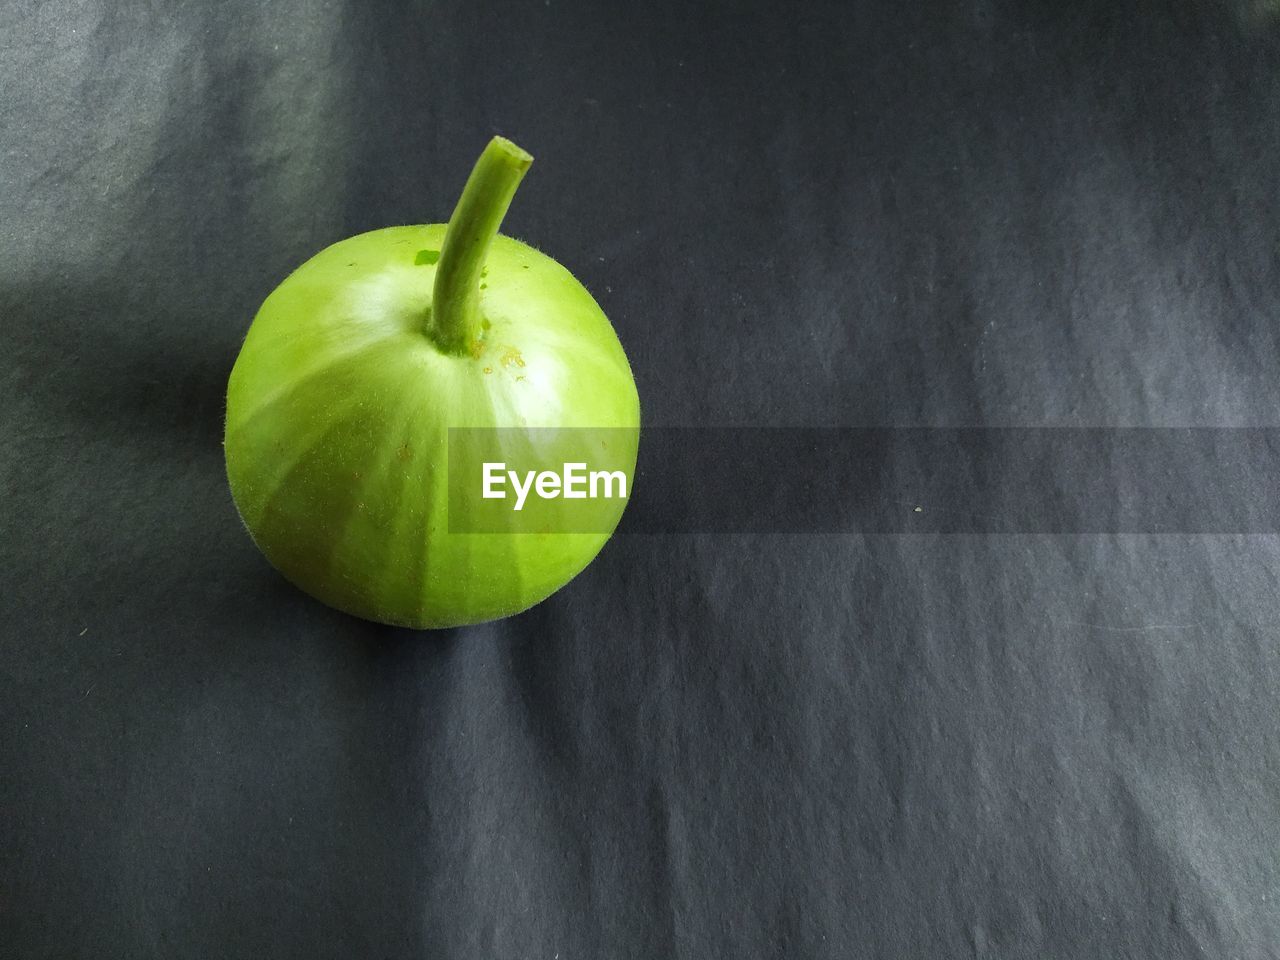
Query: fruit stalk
point(454, 324)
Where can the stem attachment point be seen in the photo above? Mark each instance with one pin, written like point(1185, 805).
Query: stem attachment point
point(455, 314)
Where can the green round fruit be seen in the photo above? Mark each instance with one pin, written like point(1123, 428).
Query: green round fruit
point(346, 403)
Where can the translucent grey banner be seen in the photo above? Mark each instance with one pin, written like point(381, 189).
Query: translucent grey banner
point(956, 480)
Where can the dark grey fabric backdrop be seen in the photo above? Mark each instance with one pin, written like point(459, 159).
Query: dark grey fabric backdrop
point(856, 214)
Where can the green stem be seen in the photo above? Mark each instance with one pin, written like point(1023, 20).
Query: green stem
point(455, 315)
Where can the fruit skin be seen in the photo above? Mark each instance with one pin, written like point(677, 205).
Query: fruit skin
point(338, 411)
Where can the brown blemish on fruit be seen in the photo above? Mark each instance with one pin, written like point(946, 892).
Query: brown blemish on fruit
point(477, 348)
point(488, 369)
point(405, 453)
point(512, 358)
point(518, 379)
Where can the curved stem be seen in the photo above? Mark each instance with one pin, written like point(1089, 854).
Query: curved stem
point(455, 319)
